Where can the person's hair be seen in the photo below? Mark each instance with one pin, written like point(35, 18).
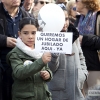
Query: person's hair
point(69, 6)
point(28, 20)
point(93, 5)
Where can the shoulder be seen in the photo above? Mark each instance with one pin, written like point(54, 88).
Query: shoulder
point(13, 52)
point(25, 13)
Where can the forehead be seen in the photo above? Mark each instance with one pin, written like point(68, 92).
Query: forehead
point(29, 27)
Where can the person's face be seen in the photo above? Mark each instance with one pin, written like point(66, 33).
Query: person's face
point(27, 35)
point(80, 7)
point(28, 4)
point(73, 10)
point(66, 22)
point(11, 3)
point(41, 3)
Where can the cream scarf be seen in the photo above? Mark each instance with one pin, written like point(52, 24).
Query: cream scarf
point(28, 50)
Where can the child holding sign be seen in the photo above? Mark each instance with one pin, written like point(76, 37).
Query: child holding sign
point(30, 69)
point(69, 70)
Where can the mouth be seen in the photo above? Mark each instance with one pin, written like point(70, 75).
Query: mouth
point(30, 41)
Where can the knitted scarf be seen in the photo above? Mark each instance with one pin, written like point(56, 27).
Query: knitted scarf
point(87, 24)
point(31, 52)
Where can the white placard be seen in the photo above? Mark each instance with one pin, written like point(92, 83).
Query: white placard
point(55, 42)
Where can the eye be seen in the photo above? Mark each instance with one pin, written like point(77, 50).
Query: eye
point(34, 32)
point(25, 32)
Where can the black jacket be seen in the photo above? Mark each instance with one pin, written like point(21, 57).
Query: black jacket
point(3, 25)
point(91, 41)
point(73, 29)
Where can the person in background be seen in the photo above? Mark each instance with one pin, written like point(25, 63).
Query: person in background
point(28, 5)
point(10, 16)
point(38, 4)
point(69, 70)
point(71, 8)
point(30, 69)
point(89, 23)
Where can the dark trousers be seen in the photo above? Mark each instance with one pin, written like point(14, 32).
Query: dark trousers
point(7, 84)
point(0, 83)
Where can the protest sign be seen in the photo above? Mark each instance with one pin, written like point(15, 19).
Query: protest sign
point(55, 42)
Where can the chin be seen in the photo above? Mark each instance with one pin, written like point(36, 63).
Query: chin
point(16, 5)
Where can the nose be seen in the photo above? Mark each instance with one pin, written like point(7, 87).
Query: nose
point(30, 36)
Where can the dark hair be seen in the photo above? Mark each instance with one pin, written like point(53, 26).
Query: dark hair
point(28, 20)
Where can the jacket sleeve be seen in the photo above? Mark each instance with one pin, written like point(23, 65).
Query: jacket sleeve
point(82, 71)
point(50, 72)
point(22, 72)
point(91, 41)
point(54, 63)
point(3, 40)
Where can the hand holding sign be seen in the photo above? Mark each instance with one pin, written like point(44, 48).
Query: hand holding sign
point(46, 57)
point(51, 18)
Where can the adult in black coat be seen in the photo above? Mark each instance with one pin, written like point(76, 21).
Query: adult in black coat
point(10, 15)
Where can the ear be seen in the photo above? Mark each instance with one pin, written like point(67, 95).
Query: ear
point(19, 33)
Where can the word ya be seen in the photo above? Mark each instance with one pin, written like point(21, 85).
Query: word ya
point(51, 49)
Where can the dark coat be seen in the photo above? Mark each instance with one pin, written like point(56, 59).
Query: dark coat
point(3, 29)
point(91, 41)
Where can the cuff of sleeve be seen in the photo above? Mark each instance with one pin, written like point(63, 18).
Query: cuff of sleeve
point(51, 76)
